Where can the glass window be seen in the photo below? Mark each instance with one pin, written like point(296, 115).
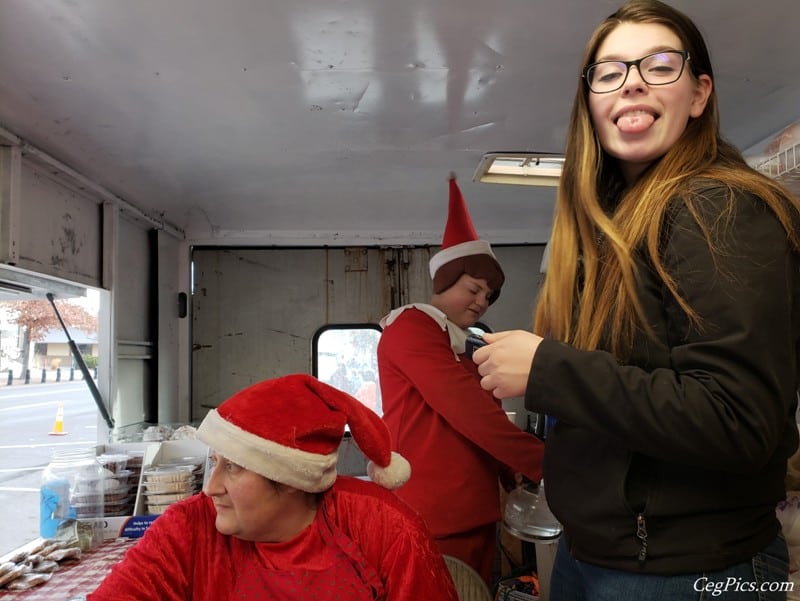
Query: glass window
point(345, 356)
point(41, 413)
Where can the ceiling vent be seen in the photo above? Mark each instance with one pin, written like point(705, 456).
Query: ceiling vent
point(521, 168)
point(780, 158)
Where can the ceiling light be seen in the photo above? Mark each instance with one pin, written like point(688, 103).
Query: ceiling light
point(520, 168)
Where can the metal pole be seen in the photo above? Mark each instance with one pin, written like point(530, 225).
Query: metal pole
point(98, 399)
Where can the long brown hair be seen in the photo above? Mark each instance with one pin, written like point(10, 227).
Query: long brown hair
point(590, 288)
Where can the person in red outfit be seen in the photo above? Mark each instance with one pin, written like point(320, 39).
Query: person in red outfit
point(276, 522)
point(456, 435)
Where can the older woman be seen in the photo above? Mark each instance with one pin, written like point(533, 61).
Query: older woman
point(275, 522)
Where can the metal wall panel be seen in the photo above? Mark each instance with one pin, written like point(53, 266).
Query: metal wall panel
point(252, 311)
point(134, 351)
point(255, 311)
point(171, 408)
point(59, 228)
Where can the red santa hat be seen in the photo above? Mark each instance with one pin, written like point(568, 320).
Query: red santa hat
point(289, 429)
point(462, 251)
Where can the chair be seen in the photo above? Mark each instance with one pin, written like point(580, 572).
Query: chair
point(469, 584)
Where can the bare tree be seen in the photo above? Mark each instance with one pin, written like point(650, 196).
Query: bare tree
point(36, 317)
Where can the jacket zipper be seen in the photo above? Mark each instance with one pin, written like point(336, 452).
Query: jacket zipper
point(641, 534)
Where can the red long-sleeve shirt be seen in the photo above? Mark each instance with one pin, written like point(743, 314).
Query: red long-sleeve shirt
point(183, 556)
point(456, 435)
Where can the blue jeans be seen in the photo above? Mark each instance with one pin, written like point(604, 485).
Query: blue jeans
point(763, 578)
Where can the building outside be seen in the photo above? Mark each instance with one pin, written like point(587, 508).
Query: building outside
point(10, 346)
point(53, 352)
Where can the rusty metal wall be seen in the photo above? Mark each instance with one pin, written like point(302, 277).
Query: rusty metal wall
point(255, 311)
point(59, 228)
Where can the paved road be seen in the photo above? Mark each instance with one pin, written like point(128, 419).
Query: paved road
point(27, 416)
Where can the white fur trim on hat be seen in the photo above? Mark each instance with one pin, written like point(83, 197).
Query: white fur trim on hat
point(393, 475)
point(296, 468)
point(464, 249)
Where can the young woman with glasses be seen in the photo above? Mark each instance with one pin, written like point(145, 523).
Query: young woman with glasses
point(666, 334)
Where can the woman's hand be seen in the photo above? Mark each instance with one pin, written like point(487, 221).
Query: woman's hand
point(505, 362)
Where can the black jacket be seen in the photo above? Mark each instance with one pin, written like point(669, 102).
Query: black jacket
point(673, 462)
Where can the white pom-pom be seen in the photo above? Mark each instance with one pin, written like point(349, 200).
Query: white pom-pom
point(393, 475)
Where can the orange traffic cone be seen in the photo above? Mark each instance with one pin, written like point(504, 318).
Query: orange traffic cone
point(58, 428)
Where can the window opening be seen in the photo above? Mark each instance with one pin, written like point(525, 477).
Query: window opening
point(345, 356)
point(45, 405)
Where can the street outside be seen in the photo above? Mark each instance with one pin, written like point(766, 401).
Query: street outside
point(27, 416)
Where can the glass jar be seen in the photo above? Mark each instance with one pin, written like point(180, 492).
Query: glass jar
point(71, 498)
point(527, 515)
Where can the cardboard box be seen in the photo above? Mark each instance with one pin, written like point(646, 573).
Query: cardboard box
point(128, 526)
point(134, 526)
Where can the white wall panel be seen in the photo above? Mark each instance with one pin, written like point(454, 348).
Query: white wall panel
point(255, 311)
point(59, 228)
point(171, 408)
point(132, 366)
point(132, 282)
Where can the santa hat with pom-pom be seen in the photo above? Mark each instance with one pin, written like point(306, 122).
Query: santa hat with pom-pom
point(289, 429)
point(462, 251)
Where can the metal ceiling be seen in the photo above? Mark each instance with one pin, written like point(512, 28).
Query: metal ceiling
point(259, 120)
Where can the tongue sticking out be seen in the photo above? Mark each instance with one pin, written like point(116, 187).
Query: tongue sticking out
point(635, 122)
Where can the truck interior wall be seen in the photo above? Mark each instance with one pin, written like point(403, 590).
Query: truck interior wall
point(59, 228)
point(131, 324)
point(256, 310)
point(173, 355)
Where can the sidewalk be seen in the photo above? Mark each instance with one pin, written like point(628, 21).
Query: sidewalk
point(44, 376)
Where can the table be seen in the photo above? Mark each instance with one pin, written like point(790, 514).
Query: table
point(76, 578)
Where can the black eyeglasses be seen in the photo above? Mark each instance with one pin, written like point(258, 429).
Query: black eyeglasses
point(657, 69)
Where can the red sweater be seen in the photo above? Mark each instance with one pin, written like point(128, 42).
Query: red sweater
point(182, 556)
point(456, 435)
